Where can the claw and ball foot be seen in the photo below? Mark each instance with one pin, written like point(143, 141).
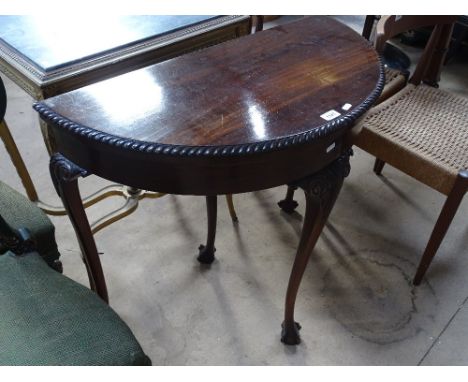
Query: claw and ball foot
point(288, 204)
point(206, 254)
point(290, 334)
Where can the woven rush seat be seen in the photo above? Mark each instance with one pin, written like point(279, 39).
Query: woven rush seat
point(420, 124)
point(394, 82)
point(391, 75)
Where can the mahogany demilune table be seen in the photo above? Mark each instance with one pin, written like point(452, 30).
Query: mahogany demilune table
point(265, 110)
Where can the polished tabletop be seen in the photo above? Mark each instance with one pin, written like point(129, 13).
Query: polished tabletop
point(51, 45)
point(247, 114)
point(278, 83)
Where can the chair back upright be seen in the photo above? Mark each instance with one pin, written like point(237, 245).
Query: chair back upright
point(390, 26)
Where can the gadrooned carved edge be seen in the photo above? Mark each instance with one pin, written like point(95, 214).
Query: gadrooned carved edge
point(63, 169)
point(51, 117)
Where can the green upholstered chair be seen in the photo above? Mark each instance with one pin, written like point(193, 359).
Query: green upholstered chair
point(47, 318)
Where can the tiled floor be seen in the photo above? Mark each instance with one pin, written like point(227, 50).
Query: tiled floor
point(356, 304)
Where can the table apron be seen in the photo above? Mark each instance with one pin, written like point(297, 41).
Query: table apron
point(197, 174)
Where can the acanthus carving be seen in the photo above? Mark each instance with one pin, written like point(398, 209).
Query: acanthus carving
point(321, 183)
point(64, 170)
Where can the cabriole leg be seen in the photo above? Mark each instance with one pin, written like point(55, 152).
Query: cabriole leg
point(321, 191)
point(206, 254)
point(65, 176)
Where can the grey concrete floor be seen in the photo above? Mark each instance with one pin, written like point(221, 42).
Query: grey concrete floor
point(356, 303)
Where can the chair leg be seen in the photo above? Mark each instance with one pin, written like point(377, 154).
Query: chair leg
point(368, 26)
point(443, 222)
point(259, 24)
point(378, 166)
point(232, 210)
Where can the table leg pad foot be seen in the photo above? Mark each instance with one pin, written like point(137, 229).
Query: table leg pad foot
point(290, 334)
point(288, 205)
point(206, 254)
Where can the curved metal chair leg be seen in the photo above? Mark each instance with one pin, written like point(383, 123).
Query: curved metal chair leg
point(17, 160)
point(231, 208)
point(130, 205)
point(132, 197)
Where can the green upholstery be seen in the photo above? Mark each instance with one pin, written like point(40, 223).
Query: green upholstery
point(48, 319)
point(19, 212)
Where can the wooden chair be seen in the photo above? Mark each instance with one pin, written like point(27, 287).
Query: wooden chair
point(422, 130)
point(395, 80)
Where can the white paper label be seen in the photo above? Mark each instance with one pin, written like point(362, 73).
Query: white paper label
point(346, 106)
point(331, 147)
point(329, 115)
